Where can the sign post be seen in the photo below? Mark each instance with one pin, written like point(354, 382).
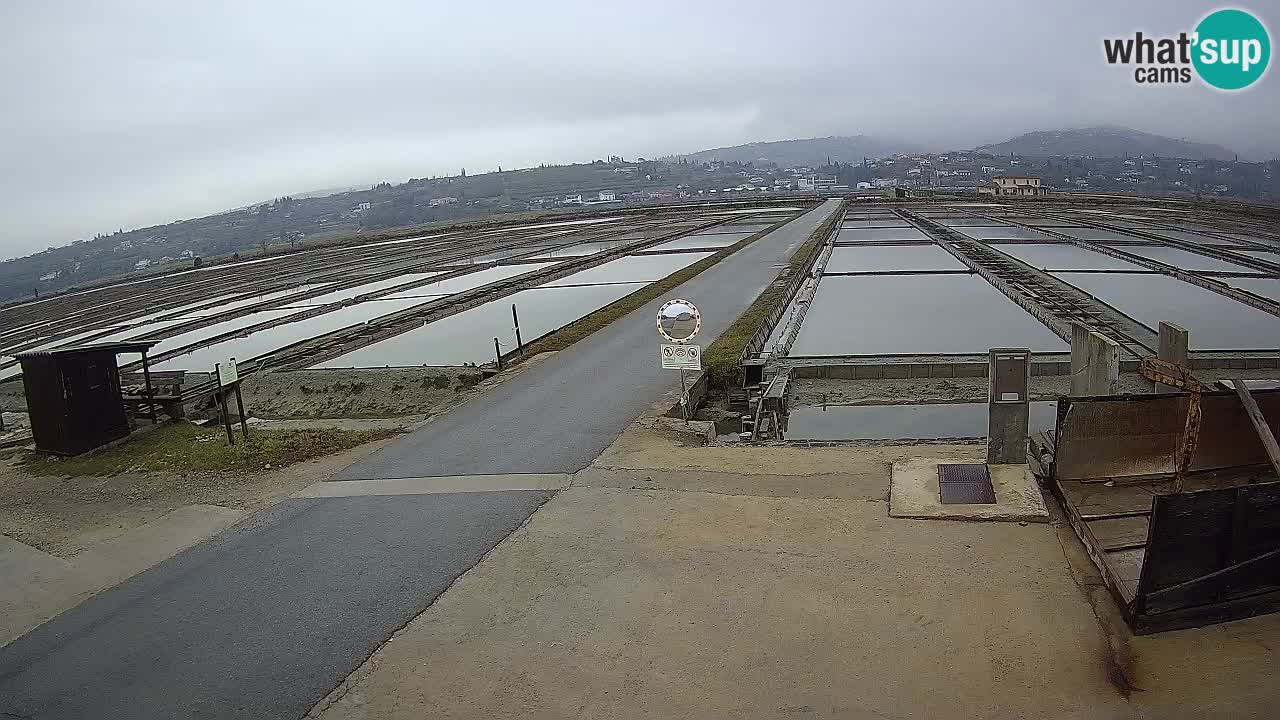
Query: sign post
point(229, 380)
point(679, 322)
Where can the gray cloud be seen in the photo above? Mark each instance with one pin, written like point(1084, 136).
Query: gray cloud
point(131, 113)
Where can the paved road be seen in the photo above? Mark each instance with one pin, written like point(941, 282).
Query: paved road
point(558, 416)
point(264, 620)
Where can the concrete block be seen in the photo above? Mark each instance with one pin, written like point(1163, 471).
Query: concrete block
point(913, 493)
point(1008, 405)
point(1095, 362)
point(945, 370)
point(1173, 348)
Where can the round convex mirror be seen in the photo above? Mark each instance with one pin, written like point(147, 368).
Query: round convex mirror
point(679, 320)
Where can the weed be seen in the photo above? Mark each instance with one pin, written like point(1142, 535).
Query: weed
point(184, 448)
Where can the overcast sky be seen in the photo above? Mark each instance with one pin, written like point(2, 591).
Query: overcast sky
point(124, 114)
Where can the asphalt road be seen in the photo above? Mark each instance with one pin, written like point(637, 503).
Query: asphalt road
point(558, 416)
point(267, 618)
point(264, 620)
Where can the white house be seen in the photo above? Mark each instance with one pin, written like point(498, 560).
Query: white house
point(1013, 186)
point(608, 196)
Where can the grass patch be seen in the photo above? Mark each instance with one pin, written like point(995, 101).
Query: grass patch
point(721, 359)
point(185, 449)
point(581, 328)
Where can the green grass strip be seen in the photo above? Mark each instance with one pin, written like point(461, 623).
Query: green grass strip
point(588, 324)
point(721, 360)
point(184, 448)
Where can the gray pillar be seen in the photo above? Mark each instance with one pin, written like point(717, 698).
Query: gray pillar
point(1079, 357)
point(1174, 340)
point(1095, 362)
point(1008, 405)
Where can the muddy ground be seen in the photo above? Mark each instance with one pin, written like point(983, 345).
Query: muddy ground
point(347, 393)
point(64, 516)
point(363, 393)
point(807, 392)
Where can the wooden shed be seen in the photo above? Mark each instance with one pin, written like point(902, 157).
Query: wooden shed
point(74, 396)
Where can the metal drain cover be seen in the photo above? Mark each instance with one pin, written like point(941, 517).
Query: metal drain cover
point(965, 484)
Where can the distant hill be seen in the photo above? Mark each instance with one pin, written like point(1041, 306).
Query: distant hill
point(809, 152)
point(1105, 142)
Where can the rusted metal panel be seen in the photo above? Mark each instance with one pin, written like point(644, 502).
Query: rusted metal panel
point(1167, 373)
point(1131, 436)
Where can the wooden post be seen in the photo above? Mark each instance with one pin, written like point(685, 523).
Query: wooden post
point(497, 353)
point(1259, 424)
point(244, 421)
point(516, 319)
point(226, 416)
point(151, 394)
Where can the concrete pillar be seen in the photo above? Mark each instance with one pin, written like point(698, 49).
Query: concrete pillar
point(1008, 405)
point(1174, 340)
point(1095, 362)
point(1079, 357)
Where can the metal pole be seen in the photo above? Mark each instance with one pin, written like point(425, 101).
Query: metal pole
point(516, 319)
point(244, 422)
point(684, 395)
point(497, 353)
point(151, 394)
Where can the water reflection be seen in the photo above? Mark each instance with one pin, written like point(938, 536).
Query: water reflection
point(902, 422)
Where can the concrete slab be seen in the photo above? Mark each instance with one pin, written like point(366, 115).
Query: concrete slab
point(434, 485)
point(43, 585)
point(646, 604)
point(26, 578)
point(913, 493)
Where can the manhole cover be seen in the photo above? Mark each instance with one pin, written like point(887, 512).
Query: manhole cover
point(965, 484)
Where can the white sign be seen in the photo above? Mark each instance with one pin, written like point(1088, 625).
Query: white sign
point(679, 320)
point(681, 357)
point(228, 373)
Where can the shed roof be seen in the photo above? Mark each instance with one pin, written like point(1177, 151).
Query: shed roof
point(116, 347)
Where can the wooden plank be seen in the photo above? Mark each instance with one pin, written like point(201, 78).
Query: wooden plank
point(1259, 423)
point(1120, 533)
point(1113, 583)
point(1201, 615)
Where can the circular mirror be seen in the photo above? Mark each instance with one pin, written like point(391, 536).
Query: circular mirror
point(679, 320)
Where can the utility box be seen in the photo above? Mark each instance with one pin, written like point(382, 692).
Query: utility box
point(74, 397)
point(1008, 405)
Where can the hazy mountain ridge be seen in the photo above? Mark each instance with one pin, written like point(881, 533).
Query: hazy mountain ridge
point(1105, 142)
point(325, 214)
point(808, 152)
